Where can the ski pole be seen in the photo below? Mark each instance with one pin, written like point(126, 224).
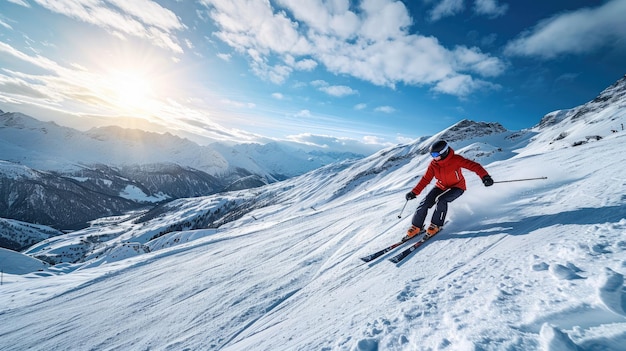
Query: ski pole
point(519, 180)
point(402, 210)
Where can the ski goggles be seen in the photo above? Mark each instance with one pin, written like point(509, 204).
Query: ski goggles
point(442, 152)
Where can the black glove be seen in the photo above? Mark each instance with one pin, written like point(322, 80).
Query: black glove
point(410, 196)
point(487, 180)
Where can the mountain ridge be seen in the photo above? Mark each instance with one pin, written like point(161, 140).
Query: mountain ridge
point(134, 168)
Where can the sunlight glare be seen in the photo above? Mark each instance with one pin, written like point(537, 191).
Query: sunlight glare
point(131, 89)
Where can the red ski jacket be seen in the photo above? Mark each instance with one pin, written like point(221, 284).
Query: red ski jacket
point(448, 172)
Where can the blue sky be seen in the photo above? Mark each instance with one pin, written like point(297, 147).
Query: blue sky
point(357, 75)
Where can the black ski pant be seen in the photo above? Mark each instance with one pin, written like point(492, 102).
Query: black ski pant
point(439, 197)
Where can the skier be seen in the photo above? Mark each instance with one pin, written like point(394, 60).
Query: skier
point(446, 167)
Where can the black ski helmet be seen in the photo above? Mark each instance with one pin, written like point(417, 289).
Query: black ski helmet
point(440, 148)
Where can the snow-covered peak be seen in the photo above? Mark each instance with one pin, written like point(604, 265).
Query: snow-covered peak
point(597, 119)
point(615, 94)
point(48, 146)
point(458, 135)
point(21, 121)
point(136, 137)
point(613, 97)
point(467, 129)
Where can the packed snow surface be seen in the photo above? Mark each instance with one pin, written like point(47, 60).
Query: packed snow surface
point(530, 265)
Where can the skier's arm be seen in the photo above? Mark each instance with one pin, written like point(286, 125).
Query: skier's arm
point(426, 179)
point(474, 167)
point(479, 170)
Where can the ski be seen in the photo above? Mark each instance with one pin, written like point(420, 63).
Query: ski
point(402, 255)
point(377, 254)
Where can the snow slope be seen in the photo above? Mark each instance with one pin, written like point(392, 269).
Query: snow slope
point(535, 265)
point(12, 262)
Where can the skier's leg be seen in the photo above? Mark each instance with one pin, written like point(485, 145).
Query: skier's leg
point(441, 210)
point(422, 210)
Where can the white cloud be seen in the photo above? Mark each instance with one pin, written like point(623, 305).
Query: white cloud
point(338, 90)
point(471, 59)
point(449, 8)
point(490, 8)
point(20, 2)
point(360, 106)
point(385, 109)
point(16, 86)
point(370, 41)
point(140, 18)
point(278, 96)
point(334, 90)
point(412, 60)
point(303, 114)
point(370, 139)
point(462, 85)
point(305, 65)
point(238, 104)
point(5, 25)
point(383, 20)
point(459, 84)
point(329, 17)
point(253, 25)
point(446, 8)
point(38, 61)
point(404, 140)
point(319, 83)
point(225, 57)
point(575, 32)
point(276, 74)
point(150, 13)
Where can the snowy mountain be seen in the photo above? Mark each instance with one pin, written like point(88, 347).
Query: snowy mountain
point(588, 122)
point(111, 170)
point(47, 146)
point(528, 265)
point(17, 235)
point(48, 198)
point(284, 159)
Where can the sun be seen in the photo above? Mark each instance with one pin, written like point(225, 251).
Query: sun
point(130, 89)
point(130, 78)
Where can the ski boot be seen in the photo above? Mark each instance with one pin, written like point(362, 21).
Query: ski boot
point(431, 231)
point(413, 231)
